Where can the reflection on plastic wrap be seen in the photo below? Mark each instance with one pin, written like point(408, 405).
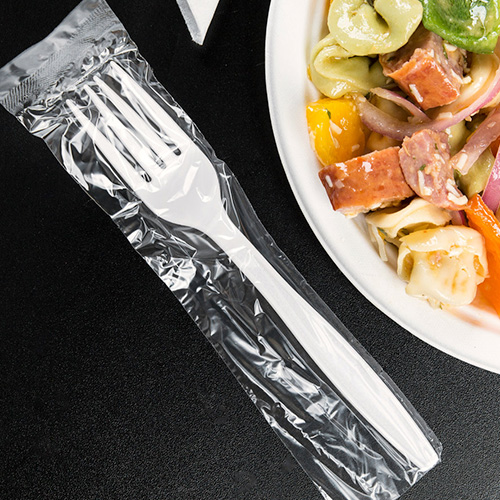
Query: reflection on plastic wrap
point(90, 95)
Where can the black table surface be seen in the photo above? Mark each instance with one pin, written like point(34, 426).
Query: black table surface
point(107, 388)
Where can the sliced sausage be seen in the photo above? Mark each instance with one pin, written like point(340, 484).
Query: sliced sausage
point(428, 69)
point(365, 183)
point(424, 159)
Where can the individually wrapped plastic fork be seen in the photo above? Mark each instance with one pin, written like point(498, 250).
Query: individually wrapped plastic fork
point(90, 95)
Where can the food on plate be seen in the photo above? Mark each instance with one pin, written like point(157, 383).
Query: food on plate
point(473, 24)
point(482, 218)
point(336, 72)
point(365, 27)
point(443, 265)
point(414, 87)
point(335, 129)
point(430, 73)
point(366, 182)
point(425, 161)
point(476, 179)
point(393, 223)
point(341, 62)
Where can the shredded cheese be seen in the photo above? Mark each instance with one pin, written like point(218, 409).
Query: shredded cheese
point(459, 201)
point(461, 161)
point(415, 92)
point(424, 190)
point(335, 128)
point(367, 166)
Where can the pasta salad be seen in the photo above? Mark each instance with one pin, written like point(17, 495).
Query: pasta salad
point(407, 133)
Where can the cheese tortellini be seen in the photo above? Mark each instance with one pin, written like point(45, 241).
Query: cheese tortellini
point(335, 72)
point(390, 224)
point(363, 27)
point(443, 265)
point(340, 63)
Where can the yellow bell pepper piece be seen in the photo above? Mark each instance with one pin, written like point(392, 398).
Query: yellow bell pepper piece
point(335, 130)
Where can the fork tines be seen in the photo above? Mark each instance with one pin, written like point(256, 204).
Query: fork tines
point(151, 149)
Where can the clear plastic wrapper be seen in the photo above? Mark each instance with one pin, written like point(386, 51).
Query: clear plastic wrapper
point(88, 93)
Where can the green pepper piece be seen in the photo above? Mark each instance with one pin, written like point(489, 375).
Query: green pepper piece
point(474, 181)
point(473, 25)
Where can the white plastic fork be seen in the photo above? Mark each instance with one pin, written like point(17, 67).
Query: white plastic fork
point(185, 190)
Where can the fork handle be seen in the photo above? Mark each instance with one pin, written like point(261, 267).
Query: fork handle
point(348, 371)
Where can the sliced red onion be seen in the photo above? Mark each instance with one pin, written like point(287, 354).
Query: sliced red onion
point(491, 193)
point(401, 101)
point(383, 123)
point(483, 136)
point(458, 217)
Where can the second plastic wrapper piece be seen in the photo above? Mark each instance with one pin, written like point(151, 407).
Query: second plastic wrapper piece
point(198, 15)
point(90, 95)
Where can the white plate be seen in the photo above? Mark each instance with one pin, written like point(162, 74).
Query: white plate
point(293, 27)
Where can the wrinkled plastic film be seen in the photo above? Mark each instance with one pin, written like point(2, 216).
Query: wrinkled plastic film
point(343, 453)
